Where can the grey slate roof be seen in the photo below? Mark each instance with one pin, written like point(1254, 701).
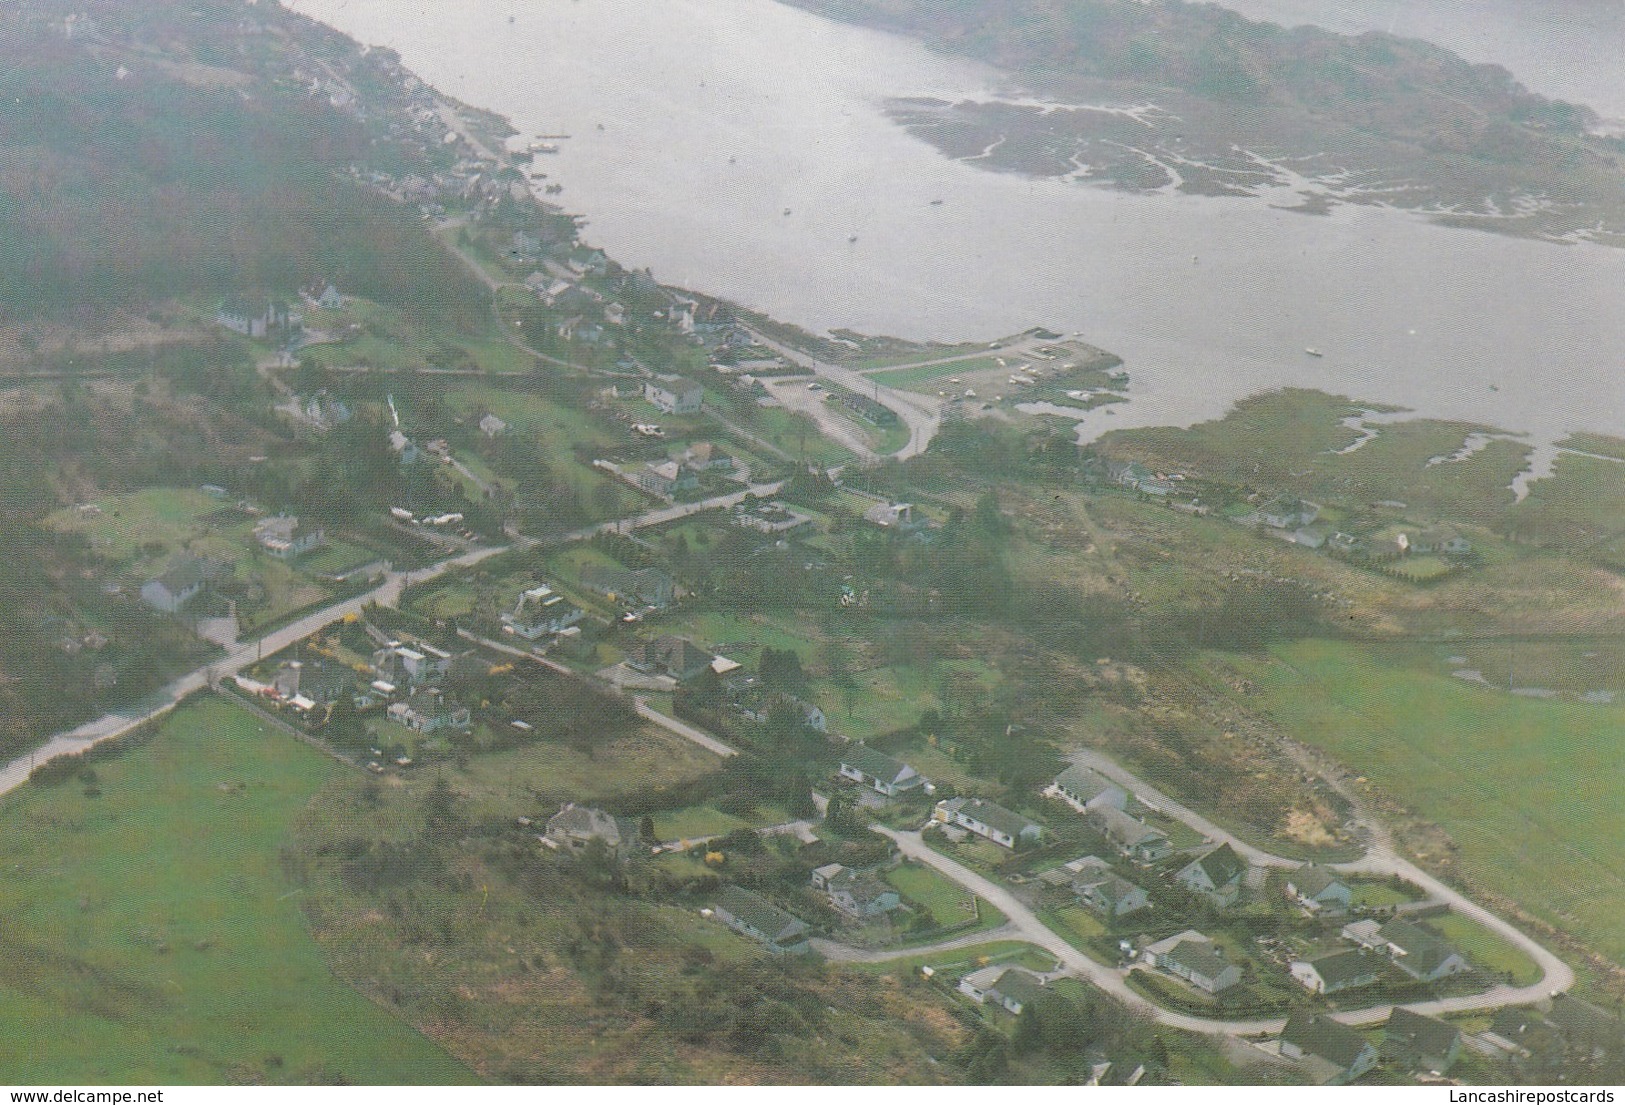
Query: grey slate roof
point(1311, 879)
point(1222, 865)
point(1339, 969)
point(1020, 985)
point(1423, 950)
point(1320, 1035)
point(992, 815)
point(1126, 830)
point(760, 914)
point(1084, 784)
point(1198, 957)
point(1411, 1036)
point(873, 763)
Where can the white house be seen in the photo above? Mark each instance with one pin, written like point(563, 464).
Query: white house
point(1217, 876)
point(285, 537)
point(1348, 969)
point(987, 819)
point(1010, 987)
point(878, 771)
point(540, 612)
point(674, 394)
point(1319, 890)
point(429, 711)
point(1087, 789)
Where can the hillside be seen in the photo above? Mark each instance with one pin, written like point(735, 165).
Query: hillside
point(1170, 96)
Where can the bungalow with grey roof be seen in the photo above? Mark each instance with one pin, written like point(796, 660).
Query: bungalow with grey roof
point(540, 612)
point(317, 683)
point(286, 537)
point(1009, 987)
point(676, 657)
point(666, 477)
point(674, 394)
point(1419, 953)
point(858, 894)
point(429, 711)
point(184, 580)
point(1420, 1043)
point(574, 827)
point(1134, 838)
point(648, 586)
point(1348, 969)
point(1195, 958)
point(1288, 513)
point(878, 771)
point(749, 914)
point(1109, 894)
point(988, 819)
point(1331, 1052)
point(1087, 789)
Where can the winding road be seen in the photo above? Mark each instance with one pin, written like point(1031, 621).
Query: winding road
point(1380, 860)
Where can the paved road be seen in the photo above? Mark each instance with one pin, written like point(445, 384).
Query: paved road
point(14, 774)
point(662, 515)
point(1381, 861)
point(846, 953)
point(917, 412)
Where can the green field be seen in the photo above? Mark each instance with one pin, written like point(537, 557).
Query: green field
point(1485, 950)
point(695, 822)
point(119, 525)
point(947, 902)
point(151, 936)
point(925, 377)
point(1526, 788)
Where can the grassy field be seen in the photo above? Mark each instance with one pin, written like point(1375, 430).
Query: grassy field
point(1525, 787)
point(151, 937)
point(928, 377)
point(947, 902)
point(694, 822)
point(534, 777)
point(1485, 950)
point(796, 435)
point(120, 525)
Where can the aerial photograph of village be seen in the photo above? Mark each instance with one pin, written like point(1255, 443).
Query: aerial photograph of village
point(917, 543)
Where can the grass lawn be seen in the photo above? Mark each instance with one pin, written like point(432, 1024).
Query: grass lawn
point(694, 822)
point(1525, 787)
point(926, 377)
point(947, 902)
point(151, 936)
point(1077, 926)
point(335, 558)
point(1378, 895)
point(1485, 950)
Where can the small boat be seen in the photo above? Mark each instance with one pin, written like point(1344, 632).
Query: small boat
point(1313, 352)
point(853, 238)
point(1494, 388)
point(786, 210)
point(936, 203)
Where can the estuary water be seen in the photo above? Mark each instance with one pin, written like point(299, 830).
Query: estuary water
point(738, 147)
